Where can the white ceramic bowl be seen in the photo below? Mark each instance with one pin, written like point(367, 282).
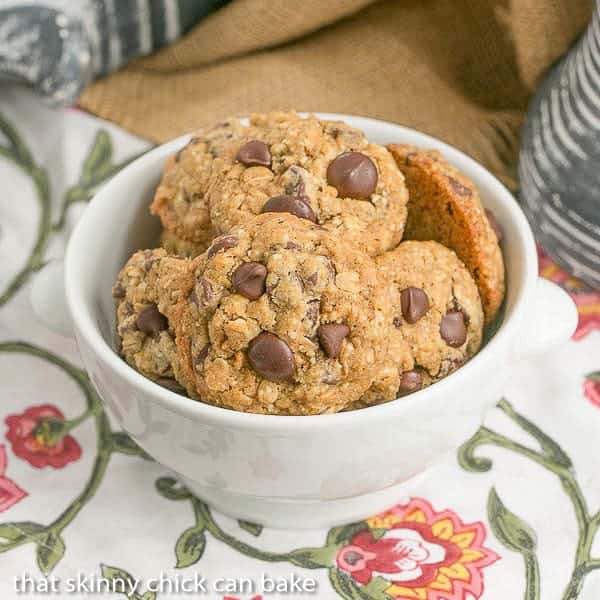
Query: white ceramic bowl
point(309, 471)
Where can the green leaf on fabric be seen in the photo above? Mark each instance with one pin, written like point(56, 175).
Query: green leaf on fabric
point(190, 547)
point(511, 530)
point(343, 533)
point(170, 488)
point(252, 528)
point(376, 588)
point(124, 444)
point(14, 531)
point(50, 549)
point(98, 159)
point(378, 532)
point(313, 558)
point(122, 580)
point(346, 588)
point(149, 596)
point(593, 376)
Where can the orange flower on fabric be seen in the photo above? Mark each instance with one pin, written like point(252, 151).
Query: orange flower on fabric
point(423, 555)
point(39, 436)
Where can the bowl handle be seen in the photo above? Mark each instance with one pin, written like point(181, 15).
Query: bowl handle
point(48, 298)
point(552, 320)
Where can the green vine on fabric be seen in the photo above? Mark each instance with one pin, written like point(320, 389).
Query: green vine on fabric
point(191, 544)
point(98, 167)
point(512, 531)
point(15, 150)
point(50, 546)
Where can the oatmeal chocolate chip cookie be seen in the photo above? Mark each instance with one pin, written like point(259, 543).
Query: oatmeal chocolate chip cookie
point(282, 318)
point(444, 206)
point(145, 292)
point(436, 323)
point(180, 199)
point(323, 171)
point(183, 248)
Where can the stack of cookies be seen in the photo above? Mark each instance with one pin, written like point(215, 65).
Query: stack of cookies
point(304, 270)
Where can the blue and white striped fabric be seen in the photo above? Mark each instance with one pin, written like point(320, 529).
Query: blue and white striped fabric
point(560, 159)
point(59, 46)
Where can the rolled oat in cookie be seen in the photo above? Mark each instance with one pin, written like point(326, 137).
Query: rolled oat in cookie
point(444, 206)
point(323, 171)
point(436, 323)
point(281, 318)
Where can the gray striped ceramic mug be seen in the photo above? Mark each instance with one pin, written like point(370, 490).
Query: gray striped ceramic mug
point(559, 164)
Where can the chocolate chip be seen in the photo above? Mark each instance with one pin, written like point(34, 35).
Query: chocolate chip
point(491, 217)
point(171, 384)
point(292, 246)
point(118, 290)
point(459, 188)
point(254, 153)
point(331, 336)
point(271, 357)
point(353, 175)
point(222, 243)
point(296, 205)
point(249, 280)
point(453, 328)
point(414, 303)
point(397, 321)
point(411, 381)
point(150, 321)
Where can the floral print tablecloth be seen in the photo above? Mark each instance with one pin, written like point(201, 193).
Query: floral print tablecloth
point(85, 513)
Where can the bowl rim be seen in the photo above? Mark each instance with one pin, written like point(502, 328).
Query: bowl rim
point(86, 326)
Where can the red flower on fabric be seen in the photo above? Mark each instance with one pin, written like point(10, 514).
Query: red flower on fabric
point(591, 388)
point(10, 492)
point(38, 436)
point(586, 299)
point(423, 555)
